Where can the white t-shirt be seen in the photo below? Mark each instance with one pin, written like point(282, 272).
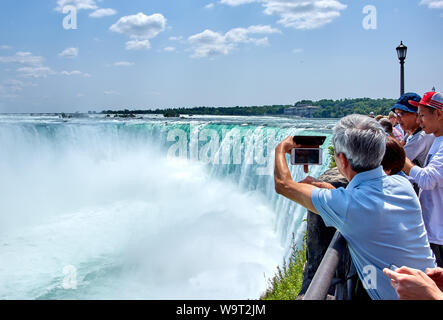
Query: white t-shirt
point(417, 147)
point(430, 181)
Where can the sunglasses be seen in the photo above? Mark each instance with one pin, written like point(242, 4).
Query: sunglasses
point(401, 114)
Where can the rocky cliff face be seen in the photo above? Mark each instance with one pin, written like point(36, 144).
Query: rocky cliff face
point(319, 237)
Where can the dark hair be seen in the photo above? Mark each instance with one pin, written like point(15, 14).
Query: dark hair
point(379, 117)
point(432, 109)
point(395, 156)
point(387, 125)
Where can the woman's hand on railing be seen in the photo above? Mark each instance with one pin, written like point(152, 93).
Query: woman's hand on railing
point(317, 183)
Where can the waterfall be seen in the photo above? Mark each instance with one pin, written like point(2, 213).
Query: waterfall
point(144, 209)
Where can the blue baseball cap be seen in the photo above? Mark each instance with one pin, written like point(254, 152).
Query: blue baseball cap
point(408, 102)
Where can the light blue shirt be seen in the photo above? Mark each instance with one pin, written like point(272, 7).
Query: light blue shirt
point(430, 181)
point(380, 218)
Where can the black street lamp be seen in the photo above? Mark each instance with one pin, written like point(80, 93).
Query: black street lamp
point(402, 50)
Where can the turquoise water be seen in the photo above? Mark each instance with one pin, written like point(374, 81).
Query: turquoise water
point(152, 208)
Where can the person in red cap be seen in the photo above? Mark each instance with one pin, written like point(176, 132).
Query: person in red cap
point(430, 178)
point(417, 142)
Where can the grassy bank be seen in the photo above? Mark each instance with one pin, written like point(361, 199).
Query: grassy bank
point(286, 283)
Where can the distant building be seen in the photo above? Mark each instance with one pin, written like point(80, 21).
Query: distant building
point(302, 110)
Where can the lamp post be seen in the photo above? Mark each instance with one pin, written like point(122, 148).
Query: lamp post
point(401, 52)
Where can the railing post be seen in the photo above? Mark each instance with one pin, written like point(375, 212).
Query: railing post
point(319, 287)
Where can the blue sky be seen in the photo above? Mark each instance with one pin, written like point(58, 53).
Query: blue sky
point(185, 53)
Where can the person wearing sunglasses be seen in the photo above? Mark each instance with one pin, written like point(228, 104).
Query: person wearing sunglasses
point(418, 142)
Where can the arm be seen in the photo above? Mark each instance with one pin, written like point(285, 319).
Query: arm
point(412, 284)
point(429, 177)
point(408, 166)
point(284, 185)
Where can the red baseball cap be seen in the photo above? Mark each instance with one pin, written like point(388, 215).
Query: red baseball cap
point(433, 99)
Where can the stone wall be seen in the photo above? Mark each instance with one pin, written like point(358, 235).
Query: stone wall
point(319, 237)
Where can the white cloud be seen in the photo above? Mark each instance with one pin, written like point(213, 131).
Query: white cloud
point(237, 2)
point(176, 38)
point(9, 92)
point(209, 6)
point(5, 47)
point(209, 43)
point(299, 14)
point(86, 5)
point(31, 65)
point(305, 14)
point(111, 92)
point(69, 53)
point(124, 64)
point(24, 58)
point(169, 49)
point(75, 73)
point(298, 50)
point(433, 4)
point(79, 4)
point(12, 86)
point(71, 73)
point(138, 45)
point(140, 26)
point(35, 72)
point(153, 93)
point(100, 13)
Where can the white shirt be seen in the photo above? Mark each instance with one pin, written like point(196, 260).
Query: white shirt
point(417, 147)
point(430, 181)
point(398, 127)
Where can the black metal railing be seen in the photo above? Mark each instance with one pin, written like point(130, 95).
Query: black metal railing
point(324, 276)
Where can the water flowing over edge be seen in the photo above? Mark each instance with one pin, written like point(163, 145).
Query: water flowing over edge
point(213, 212)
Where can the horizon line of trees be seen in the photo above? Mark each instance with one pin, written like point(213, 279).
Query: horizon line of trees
point(329, 109)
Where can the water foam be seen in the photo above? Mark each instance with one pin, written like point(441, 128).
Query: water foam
point(133, 223)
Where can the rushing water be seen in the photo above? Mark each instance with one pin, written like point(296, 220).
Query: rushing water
point(152, 208)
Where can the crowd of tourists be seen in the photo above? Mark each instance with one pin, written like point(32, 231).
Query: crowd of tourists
point(391, 212)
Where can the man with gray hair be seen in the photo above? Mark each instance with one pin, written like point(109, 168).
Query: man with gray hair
point(378, 215)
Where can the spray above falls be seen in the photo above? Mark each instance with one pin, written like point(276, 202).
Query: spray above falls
point(120, 206)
